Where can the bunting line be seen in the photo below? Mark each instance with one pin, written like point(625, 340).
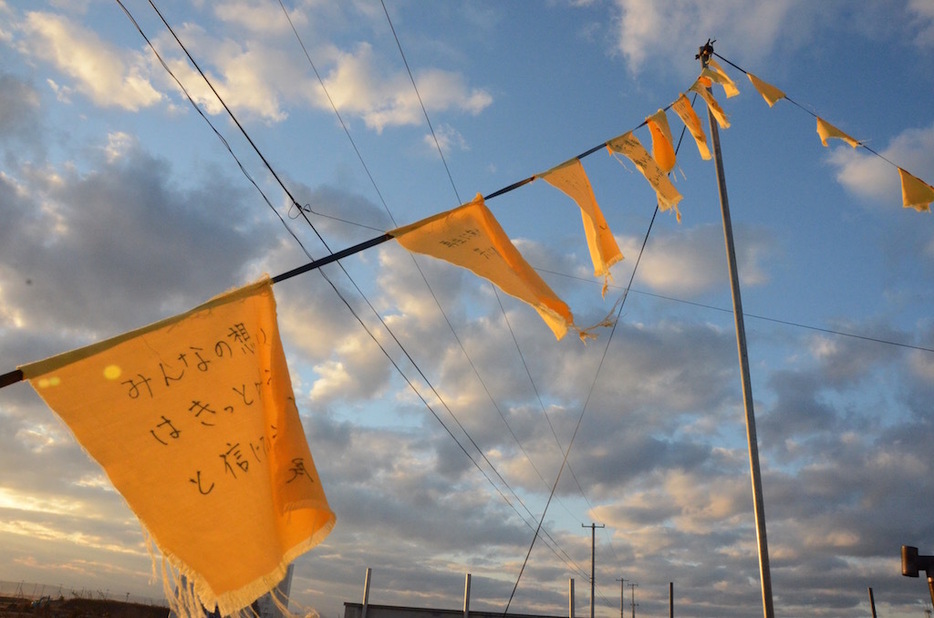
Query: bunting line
point(916, 193)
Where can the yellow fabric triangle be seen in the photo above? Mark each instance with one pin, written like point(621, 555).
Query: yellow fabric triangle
point(662, 149)
point(692, 121)
point(629, 145)
point(729, 86)
point(916, 193)
point(194, 421)
point(770, 93)
point(571, 178)
point(470, 237)
point(701, 87)
point(827, 131)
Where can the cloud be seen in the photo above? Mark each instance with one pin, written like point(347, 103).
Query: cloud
point(109, 76)
point(874, 178)
point(693, 262)
point(673, 31)
point(123, 219)
point(924, 13)
point(358, 85)
point(19, 108)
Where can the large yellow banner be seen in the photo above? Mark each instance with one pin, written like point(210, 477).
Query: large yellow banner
point(194, 421)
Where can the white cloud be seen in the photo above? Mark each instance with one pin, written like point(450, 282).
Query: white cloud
point(111, 77)
point(448, 138)
point(924, 11)
point(875, 178)
point(360, 86)
point(694, 261)
point(262, 18)
point(675, 30)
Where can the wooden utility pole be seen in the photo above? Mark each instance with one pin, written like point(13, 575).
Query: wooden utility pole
point(621, 584)
point(593, 545)
point(765, 578)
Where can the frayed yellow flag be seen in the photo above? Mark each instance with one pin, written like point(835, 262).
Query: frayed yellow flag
point(693, 123)
point(916, 193)
point(469, 236)
point(662, 149)
point(701, 87)
point(629, 145)
point(770, 93)
point(827, 130)
point(720, 76)
point(571, 178)
point(194, 421)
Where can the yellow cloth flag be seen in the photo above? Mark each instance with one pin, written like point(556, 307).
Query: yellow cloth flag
point(629, 145)
point(469, 236)
point(700, 87)
point(770, 93)
point(662, 149)
point(827, 130)
point(720, 76)
point(571, 178)
point(693, 123)
point(194, 421)
point(916, 193)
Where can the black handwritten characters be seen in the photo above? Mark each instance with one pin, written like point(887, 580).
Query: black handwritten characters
point(195, 422)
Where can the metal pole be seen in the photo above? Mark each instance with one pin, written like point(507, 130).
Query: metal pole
point(571, 598)
point(765, 577)
point(872, 603)
point(366, 592)
point(671, 600)
point(593, 543)
point(632, 597)
point(467, 596)
point(621, 584)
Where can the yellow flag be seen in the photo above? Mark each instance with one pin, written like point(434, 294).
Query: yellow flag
point(720, 76)
point(770, 93)
point(629, 145)
point(469, 236)
point(827, 130)
point(194, 421)
point(700, 87)
point(690, 119)
point(662, 149)
point(916, 193)
point(571, 178)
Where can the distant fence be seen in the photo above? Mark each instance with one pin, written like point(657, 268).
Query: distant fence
point(30, 590)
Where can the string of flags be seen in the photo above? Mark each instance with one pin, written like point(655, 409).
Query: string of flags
point(194, 419)
point(448, 237)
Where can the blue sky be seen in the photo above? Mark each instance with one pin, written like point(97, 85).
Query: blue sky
point(120, 207)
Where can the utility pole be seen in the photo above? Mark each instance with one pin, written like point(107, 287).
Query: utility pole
point(622, 582)
point(632, 597)
point(593, 545)
point(765, 577)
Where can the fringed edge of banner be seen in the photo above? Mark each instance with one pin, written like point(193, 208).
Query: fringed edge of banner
point(188, 595)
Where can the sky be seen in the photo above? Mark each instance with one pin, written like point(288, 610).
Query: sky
point(438, 409)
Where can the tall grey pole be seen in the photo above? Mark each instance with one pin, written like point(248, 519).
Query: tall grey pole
point(571, 598)
point(593, 545)
point(467, 596)
point(622, 582)
point(765, 577)
point(366, 592)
